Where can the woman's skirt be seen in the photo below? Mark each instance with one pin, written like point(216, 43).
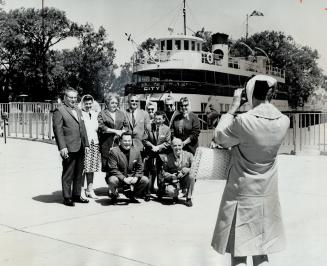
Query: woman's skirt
point(92, 159)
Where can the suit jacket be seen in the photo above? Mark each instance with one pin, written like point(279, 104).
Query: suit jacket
point(140, 128)
point(120, 167)
point(184, 128)
point(163, 139)
point(69, 131)
point(170, 167)
point(106, 121)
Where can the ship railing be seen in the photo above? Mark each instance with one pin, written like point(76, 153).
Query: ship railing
point(275, 71)
point(162, 56)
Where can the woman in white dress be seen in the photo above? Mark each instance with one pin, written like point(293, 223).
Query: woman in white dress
point(92, 159)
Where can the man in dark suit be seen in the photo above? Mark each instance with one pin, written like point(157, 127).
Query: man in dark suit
point(71, 138)
point(126, 170)
point(138, 121)
point(156, 145)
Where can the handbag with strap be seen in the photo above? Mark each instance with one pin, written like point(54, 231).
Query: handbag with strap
point(211, 163)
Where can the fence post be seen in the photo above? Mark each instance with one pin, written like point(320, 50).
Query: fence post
point(296, 133)
point(30, 120)
point(37, 125)
point(43, 115)
point(50, 125)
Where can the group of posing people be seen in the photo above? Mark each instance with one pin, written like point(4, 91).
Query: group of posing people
point(249, 221)
point(134, 147)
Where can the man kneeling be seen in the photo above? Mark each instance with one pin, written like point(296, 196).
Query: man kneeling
point(176, 173)
point(126, 171)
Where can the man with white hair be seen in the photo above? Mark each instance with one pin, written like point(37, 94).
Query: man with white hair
point(71, 137)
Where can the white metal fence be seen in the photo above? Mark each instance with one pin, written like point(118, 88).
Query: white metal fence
point(308, 131)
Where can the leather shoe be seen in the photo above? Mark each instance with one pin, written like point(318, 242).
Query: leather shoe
point(133, 200)
point(69, 202)
point(188, 203)
point(80, 200)
point(113, 198)
point(147, 198)
point(175, 200)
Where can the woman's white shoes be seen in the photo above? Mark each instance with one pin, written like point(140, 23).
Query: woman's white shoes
point(91, 194)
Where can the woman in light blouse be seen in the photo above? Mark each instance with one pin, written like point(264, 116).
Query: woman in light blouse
point(92, 157)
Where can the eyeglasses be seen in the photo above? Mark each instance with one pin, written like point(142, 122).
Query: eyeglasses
point(170, 105)
point(184, 105)
point(151, 109)
point(134, 101)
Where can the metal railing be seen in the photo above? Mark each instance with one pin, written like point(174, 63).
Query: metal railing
point(308, 131)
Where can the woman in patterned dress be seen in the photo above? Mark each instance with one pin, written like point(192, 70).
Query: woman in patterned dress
point(92, 157)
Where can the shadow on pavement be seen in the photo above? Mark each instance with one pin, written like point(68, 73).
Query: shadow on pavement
point(55, 197)
point(107, 202)
point(101, 191)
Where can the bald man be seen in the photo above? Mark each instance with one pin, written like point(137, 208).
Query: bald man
point(176, 173)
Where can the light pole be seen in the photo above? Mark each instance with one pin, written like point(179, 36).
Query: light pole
point(254, 13)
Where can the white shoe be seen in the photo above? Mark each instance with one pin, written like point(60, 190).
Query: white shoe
point(91, 194)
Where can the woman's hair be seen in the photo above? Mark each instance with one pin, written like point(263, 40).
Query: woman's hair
point(111, 96)
point(151, 104)
point(185, 100)
point(87, 97)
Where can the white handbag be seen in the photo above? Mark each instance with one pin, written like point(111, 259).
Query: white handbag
point(211, 163)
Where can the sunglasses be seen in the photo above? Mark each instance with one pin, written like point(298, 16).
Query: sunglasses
point(150, 109)
point(170, 105)
point(134, 101)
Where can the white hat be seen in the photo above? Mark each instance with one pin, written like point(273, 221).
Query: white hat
point(250, 85)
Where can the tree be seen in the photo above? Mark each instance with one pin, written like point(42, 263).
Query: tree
point(89, 67)
point(147, 49)
point(302, 74)
point(124, 78)
point(28, 36)
point(206, 36)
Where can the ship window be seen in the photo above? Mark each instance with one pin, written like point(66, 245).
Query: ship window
point(193, 45)
point(163, 45)
point(178, 44)
point(198, 46)
point(186, 45)
point(169, 44)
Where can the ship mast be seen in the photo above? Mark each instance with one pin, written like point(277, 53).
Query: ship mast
point(184, 15)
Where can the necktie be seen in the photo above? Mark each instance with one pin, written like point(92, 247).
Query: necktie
point(133, 119)
point(90, 116)
point(157, 132)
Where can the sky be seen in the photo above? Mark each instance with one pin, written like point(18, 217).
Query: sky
point(304, 20)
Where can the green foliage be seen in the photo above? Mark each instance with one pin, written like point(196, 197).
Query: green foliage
point(89, 67)
point(124, 78)
point(29, 63)
point(206, 36)
point(27, 36)
point(303, 75)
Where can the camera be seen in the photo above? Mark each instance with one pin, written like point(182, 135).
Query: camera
point(244, 97)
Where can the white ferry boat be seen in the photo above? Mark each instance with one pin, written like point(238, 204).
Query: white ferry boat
point(181, 68)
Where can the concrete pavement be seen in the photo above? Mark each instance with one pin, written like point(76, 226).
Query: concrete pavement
point(37, 229)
